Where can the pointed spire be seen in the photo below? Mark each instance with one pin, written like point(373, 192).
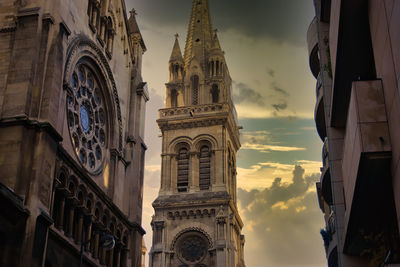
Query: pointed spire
point(216, 45)
point(132, 24)
point(176, 54)
point(200, 32)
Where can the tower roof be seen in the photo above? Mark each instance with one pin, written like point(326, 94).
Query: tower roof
point(176, 54)
point(199, 36)
point(132, 24)
point(133, 28)
point(215, 43)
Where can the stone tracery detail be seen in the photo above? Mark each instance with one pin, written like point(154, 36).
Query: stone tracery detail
point(87, 120)
point(192, 248)
point(80, 47)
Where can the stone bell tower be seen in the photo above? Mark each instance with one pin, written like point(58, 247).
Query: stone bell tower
point(196, 221)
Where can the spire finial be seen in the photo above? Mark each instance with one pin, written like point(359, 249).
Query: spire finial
point(133, 12)
point(176, 35)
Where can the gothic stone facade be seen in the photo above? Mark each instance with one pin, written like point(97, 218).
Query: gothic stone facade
point(72, 106)
point(196, 221)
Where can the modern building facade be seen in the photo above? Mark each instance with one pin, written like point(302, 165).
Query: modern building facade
point(72, 107)
point(354, 49)
point(196, 220)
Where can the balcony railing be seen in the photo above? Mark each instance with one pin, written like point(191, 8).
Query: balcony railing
point(189, 111)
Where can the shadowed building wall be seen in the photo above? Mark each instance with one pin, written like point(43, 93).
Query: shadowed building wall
point(72, 104)
point(354, 55)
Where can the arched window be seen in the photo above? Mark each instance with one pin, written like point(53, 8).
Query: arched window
point(195, 90)
point(217, 68)
point(183, 170)
point(215, 93)
point(174, 98)
point(204, 168)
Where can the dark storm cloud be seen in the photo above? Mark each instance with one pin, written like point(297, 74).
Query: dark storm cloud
point(246, 94)
point(285, 219)
point(279, 107)
point(282, 20)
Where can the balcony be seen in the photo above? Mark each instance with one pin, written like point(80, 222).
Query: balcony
point(370, 213)
point(312, 41)
point(325, 154)
point(326, 186)
point(319, 112)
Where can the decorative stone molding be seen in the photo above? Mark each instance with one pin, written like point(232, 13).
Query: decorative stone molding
point(83, 47)
point(191, 214)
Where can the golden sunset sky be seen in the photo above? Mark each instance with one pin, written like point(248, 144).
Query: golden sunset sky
point(274, 93)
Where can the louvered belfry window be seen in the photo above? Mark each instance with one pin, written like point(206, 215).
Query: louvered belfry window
point(183, 170)
point(205, 167)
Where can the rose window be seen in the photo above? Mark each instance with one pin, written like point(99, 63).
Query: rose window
point(87, 118)
point(192, 249)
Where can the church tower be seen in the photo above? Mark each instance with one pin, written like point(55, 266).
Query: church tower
point(196, 221)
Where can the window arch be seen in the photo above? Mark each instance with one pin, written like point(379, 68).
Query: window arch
point(174, 98)
point(87, 116)
point(215, 93)
point(205, 168)
point(183, 170)
point(195, 90)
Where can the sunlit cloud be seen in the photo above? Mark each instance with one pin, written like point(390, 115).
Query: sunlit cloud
point(267, 148)
point(262, 174)
point(285, 219)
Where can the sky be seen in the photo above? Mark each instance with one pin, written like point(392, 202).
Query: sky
point(274, 93)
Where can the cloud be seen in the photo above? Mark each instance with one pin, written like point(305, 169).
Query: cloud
point(271, 73)
point(245, 94)
point(279, 90)
point(283, 21)
point(267, 148)
point(261, 174)
point(283, 221)
point(279, 107)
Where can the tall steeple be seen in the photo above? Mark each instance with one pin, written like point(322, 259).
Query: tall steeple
point(196, 220)
point(199, 37)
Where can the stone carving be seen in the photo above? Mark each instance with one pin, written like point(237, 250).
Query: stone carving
point(192, 248)
point(87, 120)
point(84, 47)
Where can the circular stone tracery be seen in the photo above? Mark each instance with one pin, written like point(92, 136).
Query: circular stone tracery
point(86, 118)
point(192, 248)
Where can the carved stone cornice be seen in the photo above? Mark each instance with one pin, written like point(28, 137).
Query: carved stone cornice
point(188, 124)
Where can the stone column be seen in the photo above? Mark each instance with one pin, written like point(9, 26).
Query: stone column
point(96, 245)
point(194, 171)
point(111, 258)
point(88, 234)
point(78, 234)
point(60, 212)
point(174, 172)
point(118, 248)
point(71, 214)
point(102, 255)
